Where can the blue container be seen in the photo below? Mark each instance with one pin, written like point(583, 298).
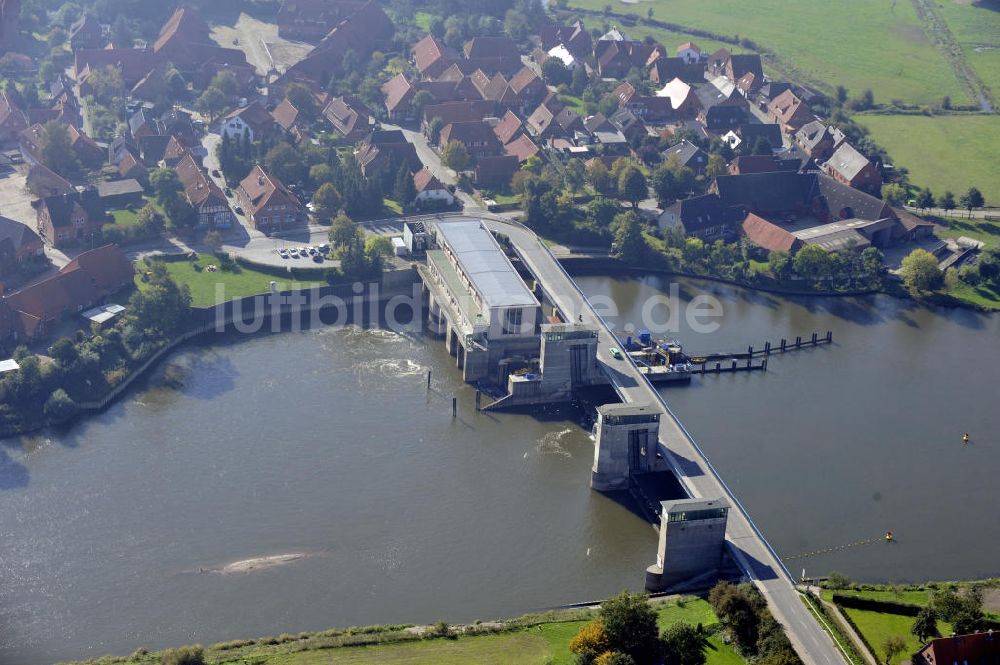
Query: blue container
point(645, 337)
point(628, 342)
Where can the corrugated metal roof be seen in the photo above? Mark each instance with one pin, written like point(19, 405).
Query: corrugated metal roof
point(486, 266)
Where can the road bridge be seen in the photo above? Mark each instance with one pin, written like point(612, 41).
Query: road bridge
point(697, 475)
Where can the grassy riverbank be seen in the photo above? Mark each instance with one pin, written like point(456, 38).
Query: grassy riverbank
point(540, 639)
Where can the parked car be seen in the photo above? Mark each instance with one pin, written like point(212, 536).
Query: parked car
point(317, 258)
point(229, 193)
point(283, 253)
point(215, 172)
point(324, 248)
point(615, 353)
point(239, 210)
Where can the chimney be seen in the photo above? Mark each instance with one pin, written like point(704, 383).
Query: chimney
point(260, 180)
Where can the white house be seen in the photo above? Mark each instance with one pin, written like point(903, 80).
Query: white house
point(562, 53)
point(252, 120)
point(430, 189)
point(689, 52)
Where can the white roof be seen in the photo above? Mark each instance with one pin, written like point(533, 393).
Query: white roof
point(103, 313)
point(398, 242)
point(563, 54)
point(614, 35)
point(677, 90)
point(8, 366)
point(485, 265)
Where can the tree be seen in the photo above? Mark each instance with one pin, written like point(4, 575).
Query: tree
point(925, 199)
point(343, 232)
point(892, 647)
point(555, 72)
point(925, 625)
point(286, 163)
point(166, 185)
point(600, 178)
point(614, 658)
point(946, 202)
point(378, 245)
point(630, 245)
point(683, 645)
point(302, 98)
point(630, 625)
point(59, 407)
point(779, 263)
point(841, 94)
point(57, 149)
point(590, 641)
point(421, 100)
point(321, 174)
point(574, 176)
point(812, 262)
point(226, 83)
point(456, 156)
point(736, 608)
point(716, 167)
point(632, 185)
point(212, 103)
point(64, 351)
point(920, 272)
point(326, 202)
point(602, 211)
point(213, 239)
point(969, 620)
point(893, 193)
point(972, 199)
point(403, 190)
point(434, 128)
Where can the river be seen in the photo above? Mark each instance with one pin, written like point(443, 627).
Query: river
point(116, 533)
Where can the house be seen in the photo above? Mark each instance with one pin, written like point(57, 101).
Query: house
point(522, 147)
point(562, 54)
point(310, 20)
point(365, 30)
point(747, 135)
point(185, 41)
point(179, 124)
point(18, 245)
point(430, 191)
point(818, 140)
point(384, 151)
point(509, 128)
point(544, 123)
point(86, 281)
point(972, 649)
point(266, 201)
point(476, 136)
point(628, 124)
point(674, 100)
point(850, 167)
point(120, 194)
point(399, 94)
point(743, 164)
point(43, 181)
point(143, 123)
point(174, 152)
point(131, 167)
point(735, 66)
point(87, 151)
point(13, 121)
point(252, 121)
point(769, 236)
point(496, 171)
point(450, 112)
point(204, 195)
point(288, 116)
point(723, 118)
point(663, 70)
point(70, 219)
point(431, 57)
point(350, 119)
point(152, 87)
point(789, 111)
point(86, 32)
point(706, 217)
point(689, 52)
point(689, 155)
point(575, 38)
point(683, 102)
point(132, 63)
point(493, 54)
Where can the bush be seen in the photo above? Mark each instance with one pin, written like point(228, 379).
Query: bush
point(60, 407)
point(192, 655)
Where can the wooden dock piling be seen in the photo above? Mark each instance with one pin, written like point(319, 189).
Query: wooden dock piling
point(479, 399)
point(454, 407)
point(428, 379)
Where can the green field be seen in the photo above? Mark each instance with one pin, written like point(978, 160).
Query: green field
point(877, 627)
point(977, 30)
point(544, 640)
point(203, 284)
point(945, 152)
point(876, 44)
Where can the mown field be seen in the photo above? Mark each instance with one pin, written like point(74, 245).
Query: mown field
point(877, 44)
point(945, 152)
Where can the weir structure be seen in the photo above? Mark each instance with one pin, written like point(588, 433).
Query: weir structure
point(686, 543)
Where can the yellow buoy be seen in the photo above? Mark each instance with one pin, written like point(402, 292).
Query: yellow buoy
point(888, 536)
point(965, 438)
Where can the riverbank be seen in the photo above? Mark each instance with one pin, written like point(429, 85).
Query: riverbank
point(529, 639)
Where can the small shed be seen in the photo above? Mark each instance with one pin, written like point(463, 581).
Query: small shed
point(120, 193)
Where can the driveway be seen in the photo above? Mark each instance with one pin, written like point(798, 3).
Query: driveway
point(429, 158)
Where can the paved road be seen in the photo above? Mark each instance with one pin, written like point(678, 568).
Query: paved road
point(982, 213)
point(761, 564)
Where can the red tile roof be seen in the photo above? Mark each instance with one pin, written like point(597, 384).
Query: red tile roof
point(769, 236)
point(425, 181)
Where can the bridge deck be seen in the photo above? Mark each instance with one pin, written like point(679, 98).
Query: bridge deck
point(692, 468)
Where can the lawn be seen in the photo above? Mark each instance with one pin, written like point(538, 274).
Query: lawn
point(877, 627)
point(204, 284)
point(945, 152)
point(977, 29)
point(876, 44)
point(125, 218)
point(977, 229)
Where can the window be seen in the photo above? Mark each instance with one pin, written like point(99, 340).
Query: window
point(512, 321)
